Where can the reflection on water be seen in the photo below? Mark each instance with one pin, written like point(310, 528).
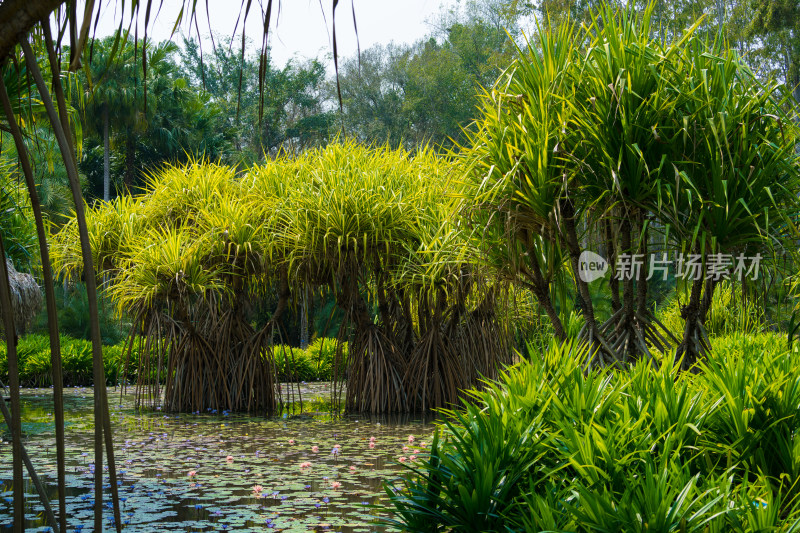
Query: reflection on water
point(308, 470)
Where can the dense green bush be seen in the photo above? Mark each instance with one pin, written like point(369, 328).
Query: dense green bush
point(76, 359)
point(554, 448)
point(315, 363)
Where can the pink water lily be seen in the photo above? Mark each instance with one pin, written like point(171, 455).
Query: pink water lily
point(401, 459)
point(315, 449)
point(305, 465)
point(405, 448)
point(336, 485)
point(192, 473)
point(352, 468)
point(410, 439)
point(291, 441)
point(412, 458)
point(371, 445)
point(229, 459)
point(257, 489)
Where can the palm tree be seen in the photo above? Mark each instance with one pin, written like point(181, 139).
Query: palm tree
point(121, 103)
point(109, 85)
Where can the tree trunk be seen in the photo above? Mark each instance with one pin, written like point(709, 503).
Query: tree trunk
point(541, 291)
point(691, 345)
point(570, 236)
point(106, 157)
point(641, 283)
point(304, 319)
point(626, 232)
point(613, 282)
point(130, 153)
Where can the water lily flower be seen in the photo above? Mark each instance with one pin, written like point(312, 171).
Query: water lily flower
point(336, 485)
point(305, 465)
point(371, 445)
point(410, 439)
point(291, 441)
point(192, 473)
point(229, 459)
point(257, 490)
point(315, 449)
point(352, 468)
point(401, 459)
point(405, 448)
point(412, 458)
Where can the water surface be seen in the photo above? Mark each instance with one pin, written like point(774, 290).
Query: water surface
point(219, 471)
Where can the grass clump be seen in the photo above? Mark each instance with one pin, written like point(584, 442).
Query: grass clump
point(551, 447)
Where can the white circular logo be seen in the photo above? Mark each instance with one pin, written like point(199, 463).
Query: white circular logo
point(591, 266)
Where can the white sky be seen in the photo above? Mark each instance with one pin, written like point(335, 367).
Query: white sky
point(301, 29)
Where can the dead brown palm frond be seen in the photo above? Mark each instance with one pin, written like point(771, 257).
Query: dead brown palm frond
point(26, 297)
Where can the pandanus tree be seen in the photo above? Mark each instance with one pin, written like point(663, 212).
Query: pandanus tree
point(605, 138)
point(380, 228)
point(182, 259)
point(375, 227)
point(738, 195)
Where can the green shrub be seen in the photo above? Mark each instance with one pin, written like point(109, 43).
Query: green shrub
point(315, 363)
point(322, 353)
point(552, 447)
point(293, 364)
point(76, 361)
point(729, 314)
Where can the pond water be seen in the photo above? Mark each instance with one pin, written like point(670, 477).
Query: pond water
point(303, 471)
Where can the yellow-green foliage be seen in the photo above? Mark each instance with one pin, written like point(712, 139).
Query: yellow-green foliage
point(203, 228)
point(729, 314)
point(315, 363)
point(369, 224)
